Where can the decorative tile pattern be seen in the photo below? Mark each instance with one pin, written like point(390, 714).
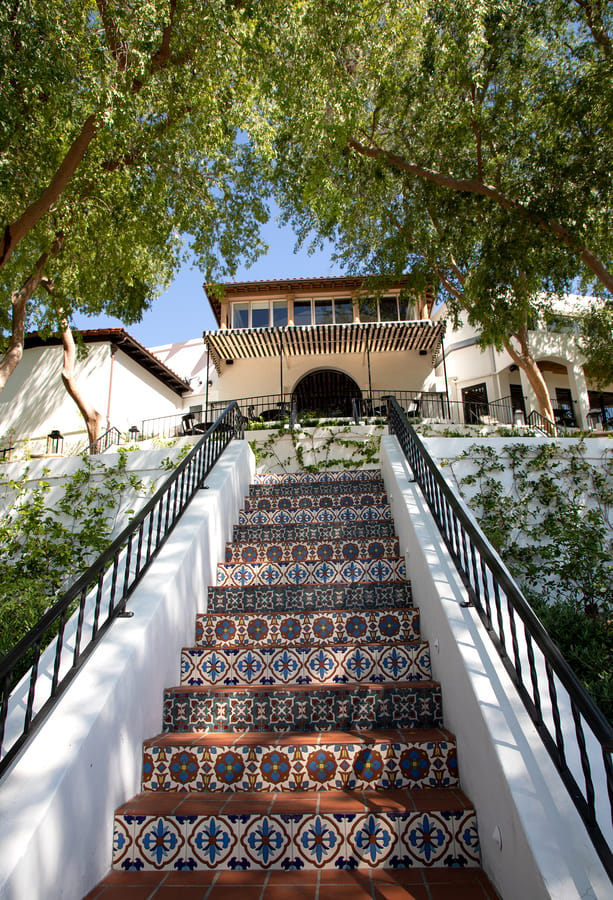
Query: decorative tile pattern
point(308, 692)
point(410, 762)
point(329, 626)
point(302, 551)
point(302, 837)
point(334, 531)
point(260, 708)
point(315, 516)
point(271, 663)
point(301, 572)
point(322, 488)
point(340, 499)
point(347, 476)
point(261, 599)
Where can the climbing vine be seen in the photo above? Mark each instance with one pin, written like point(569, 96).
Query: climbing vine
point(549, 513)
point(45, 545)
point(326, 446)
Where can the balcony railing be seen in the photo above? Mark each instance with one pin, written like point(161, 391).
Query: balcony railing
point(431, 406)
point(75, 623)
point(576, 734)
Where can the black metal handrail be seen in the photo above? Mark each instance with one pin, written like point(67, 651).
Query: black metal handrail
point(545, 425)
point(543, 678)
point(106, 440)
point(100, 594)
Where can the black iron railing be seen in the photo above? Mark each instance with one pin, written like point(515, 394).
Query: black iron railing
point(575, 732)
point(106, 440)
point(78, 619)
point(543, 424)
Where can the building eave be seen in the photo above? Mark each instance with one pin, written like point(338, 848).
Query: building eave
point(120, 338)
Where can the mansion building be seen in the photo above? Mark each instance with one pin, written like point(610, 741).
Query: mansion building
point(319, 346)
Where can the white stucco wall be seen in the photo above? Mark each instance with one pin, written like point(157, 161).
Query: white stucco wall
point(452, 448)
point(533, 842)
point(57, 800)
point(136, 395)
point(189, 360)
point(259, 377)
point(34, 401)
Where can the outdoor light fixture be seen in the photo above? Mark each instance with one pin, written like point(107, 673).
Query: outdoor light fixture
point(133, 432)
point(55, 442)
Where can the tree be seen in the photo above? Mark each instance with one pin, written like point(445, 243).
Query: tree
point(596, 343)
point(469, 138)
point(120, 133)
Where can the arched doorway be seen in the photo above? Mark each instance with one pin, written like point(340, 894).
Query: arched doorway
point(326, 392)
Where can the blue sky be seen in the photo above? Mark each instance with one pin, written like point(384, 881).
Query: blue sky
point(182, 312)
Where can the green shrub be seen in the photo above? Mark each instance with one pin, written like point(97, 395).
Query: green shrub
point(554, 531)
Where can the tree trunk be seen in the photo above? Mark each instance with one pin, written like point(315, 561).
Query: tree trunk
point(93, 419)
point(19, 302)
point(524, 359)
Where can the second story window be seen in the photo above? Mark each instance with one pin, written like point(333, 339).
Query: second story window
point(240, 315)
point(385, 309)
point(259, 314)
point(324, 311)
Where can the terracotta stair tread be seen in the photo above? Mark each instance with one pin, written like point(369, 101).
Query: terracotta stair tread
point(376, 686)
point(194, 803)
point(297, 738)
point(414, 883)
point(301, 645)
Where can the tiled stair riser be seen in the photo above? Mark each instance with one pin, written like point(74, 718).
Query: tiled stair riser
point(346, 476)
point(315, 516)
point(262, 708)
point(336, 502)
point(348, 531)
point(261, 599)
point(305, 664)
point(377, 570)
point(329, 626)
point(403, 761)
point(322, 549)
point(321, 488)
point(296, 840)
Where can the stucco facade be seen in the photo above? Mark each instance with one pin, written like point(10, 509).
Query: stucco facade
point(304, 342)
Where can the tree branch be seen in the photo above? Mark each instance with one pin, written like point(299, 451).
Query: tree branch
point(593, 18)
point(448, 285)
point(117, 46)
point(15, 231)
point(525, 360)
point(475, 186)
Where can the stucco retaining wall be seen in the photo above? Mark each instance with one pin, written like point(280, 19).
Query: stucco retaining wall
point(57, 800)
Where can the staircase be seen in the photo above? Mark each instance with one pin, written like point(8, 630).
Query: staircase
point(303, 753)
